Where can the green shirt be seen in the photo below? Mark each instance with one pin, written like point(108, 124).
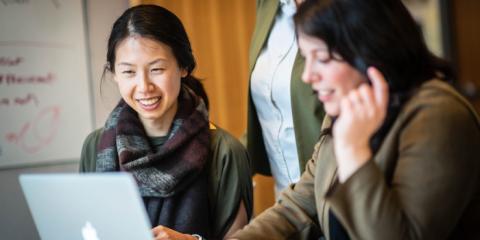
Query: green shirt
point(228, 178)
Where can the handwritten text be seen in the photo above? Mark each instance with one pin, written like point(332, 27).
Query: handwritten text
point(19, 101)
point(10, 79)
point(10, 62)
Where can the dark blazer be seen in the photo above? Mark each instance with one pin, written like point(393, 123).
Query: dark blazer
point(423, 183)
point(306, 109)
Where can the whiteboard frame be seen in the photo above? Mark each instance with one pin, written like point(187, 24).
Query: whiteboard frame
point(91, 103)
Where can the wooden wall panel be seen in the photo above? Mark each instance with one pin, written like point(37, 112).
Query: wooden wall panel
point(466, 34)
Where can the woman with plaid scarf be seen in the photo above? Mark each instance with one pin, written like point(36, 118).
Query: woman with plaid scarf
point(194, 178)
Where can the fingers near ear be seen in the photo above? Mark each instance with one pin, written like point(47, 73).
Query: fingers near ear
point(345, 106)
point(368, 99)
point(380, 86)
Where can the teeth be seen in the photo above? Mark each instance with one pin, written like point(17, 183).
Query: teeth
point(148, 101)
point(324, 92)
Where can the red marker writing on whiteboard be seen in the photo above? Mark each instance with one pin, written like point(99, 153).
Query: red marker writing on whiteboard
point(37, 133)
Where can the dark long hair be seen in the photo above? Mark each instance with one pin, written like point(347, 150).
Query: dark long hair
point(159, 24)
point(379, 33)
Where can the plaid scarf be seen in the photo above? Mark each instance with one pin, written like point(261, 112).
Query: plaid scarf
point(170, 176)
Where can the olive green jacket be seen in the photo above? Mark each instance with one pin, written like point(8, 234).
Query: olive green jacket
point(423, 183)
point(306, 109)
point(229, 178)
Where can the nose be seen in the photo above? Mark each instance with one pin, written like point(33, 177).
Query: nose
point(308, 74)
point(144, 84)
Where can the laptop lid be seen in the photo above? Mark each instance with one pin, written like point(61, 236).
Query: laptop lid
point(86, 206)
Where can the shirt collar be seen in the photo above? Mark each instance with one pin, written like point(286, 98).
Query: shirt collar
point(288, 7)
point(283, 2)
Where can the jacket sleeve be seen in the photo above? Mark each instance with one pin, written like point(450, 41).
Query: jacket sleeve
point(231, 181)
point(291, 216)
point(434, 180)
point(89, 152)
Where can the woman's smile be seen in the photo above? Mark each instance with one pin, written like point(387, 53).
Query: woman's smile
point(149, 104)
point(325, 95)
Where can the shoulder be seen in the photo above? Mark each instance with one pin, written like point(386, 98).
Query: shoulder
point(441, 100)
point(225, 142)
point(89, 151)
point(91, 141)
point(228, 154)
point(436, 116)
point(229, 159)
point(266, 4)
point(94, 136)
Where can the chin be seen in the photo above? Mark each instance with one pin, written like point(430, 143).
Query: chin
point(331, 111)
point(150, 115)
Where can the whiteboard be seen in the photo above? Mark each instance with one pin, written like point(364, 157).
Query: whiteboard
point(45, 99)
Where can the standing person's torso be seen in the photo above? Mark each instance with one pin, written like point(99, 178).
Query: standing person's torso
point(270, 89)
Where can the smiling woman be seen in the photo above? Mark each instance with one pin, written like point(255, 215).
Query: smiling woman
point(193, 177)
point(398, 156)
point(330, 77)
point(148, 77)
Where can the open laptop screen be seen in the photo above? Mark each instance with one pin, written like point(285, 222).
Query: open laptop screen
point(86, 206)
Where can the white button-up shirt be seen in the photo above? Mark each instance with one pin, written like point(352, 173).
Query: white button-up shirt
point(270, 88)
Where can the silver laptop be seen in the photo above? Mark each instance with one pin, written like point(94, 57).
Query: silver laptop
point(86, 206)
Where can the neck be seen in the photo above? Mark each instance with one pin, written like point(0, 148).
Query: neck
point(161, 126)
point(298, 2)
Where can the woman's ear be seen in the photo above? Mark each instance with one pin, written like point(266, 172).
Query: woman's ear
point(183, 72)
point(108, 71)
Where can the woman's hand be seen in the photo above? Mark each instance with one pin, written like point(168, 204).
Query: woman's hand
point(163, 233)
point(362, 112)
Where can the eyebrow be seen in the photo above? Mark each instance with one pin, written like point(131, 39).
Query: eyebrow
point(150, 63)
point(124, 63)
point(315, 51)
point(157, 60)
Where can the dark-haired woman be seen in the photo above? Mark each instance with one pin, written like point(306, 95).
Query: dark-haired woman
point(194, 178)
point(399, 153)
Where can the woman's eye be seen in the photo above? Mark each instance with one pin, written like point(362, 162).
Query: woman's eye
point(324, 59)
point(157, 70)
point(128, 72)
